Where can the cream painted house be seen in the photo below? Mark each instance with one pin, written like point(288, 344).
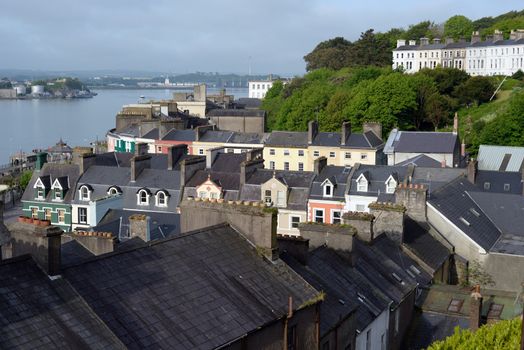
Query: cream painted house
point(297, 151)
point(233, 142)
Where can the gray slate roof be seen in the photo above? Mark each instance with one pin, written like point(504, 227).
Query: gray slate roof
point(337, 175)
point(49, 172)
point(422, 141)
point(180, 135)
point(367, 140)
point(421, 160)
point(197, 291)
point(376, 176)
point(219, 112)
point(499, 181)
point(39, 313)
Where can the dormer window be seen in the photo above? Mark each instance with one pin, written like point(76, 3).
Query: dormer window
point(391, 184)
point(143, 197)
point(40, 193)
point(84, 193)
point(161, 198)
point(362, 184)
point(327, 188)
point(58, 194)
point(113, 191)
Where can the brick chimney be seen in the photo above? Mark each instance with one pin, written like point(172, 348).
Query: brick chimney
point(174, 154)
point(346, 131)
point(475, 37)
point(472, 171)
point(141, 148)
point(375, 127)
point(140, 226)
point(97, 243)
point(475, 312)
point(248, 167)
point(312, 131)
point(389, 220)
point(336, 237)
point(139, 163)
point(319, 164)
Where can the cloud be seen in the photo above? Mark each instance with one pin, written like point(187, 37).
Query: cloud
point(176, 36)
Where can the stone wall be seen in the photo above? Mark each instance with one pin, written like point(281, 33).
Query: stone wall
point(389, 220)
point(337, 237)
point(363, 224)
point(97, 243)
point(413, 198)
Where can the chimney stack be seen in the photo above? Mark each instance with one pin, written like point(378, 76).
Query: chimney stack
point(174, 154)
point(413, 198)
point(424, 41)
point(455, 124)
point(248, 167)
point(449, 40)
point(319, 164)
point(211, 155)
point(346, 131)
point(475, 309)
point(41, 159)
point(188, 167)
point(475, 37)
point(85, 161)
point(401, 42)
point(472, 171)
point(139, 163)
point(412, 42)
point(513, 35)
point(436, 41)
point(312, 131)
point(463, 148)
point(375, 127)
point(140, 226)
point(498, 35)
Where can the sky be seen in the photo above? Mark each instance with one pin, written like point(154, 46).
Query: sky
point(228, 36)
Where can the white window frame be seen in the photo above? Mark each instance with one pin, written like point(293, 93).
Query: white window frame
point(325, 188)
point(139, 197)
point(363, 156)
point(360, 205)
point(159, 195)
point(362, 184)
point(268, 199)
point(272, 165)
point(50, 213)
point(315, 214)
point(316, 153)
point(57, 194)
point(81, 193)
point(31, 211)
point(40, 193)
point(113, 191)
point(291, 217)
point(281, 201)
point(286, 166)
point(389, 187)
point(332, 154)
point(286, 152)
point(80, 221)
point(347, 155)
point(271, 151)
point(300, 166)
point(333, 211)
point(201, 151)
point(300, 152)
point(58, 216)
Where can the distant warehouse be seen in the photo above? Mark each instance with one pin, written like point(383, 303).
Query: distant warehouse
point(239, 120)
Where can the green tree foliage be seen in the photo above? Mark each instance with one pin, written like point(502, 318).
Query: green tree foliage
point(503, 335)
point(475, 90)
point(332, 54)
point(5, 83)
point(508, 128)
point(518, 75)
point(446, 79)
point(458, 27)
point(25, 177)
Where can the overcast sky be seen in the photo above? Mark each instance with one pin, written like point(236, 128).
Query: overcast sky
point(187, 36)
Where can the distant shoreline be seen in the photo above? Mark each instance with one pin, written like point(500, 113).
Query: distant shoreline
point(159, 88)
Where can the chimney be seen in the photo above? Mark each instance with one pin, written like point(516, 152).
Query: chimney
point(346, 131)
point(389, 220)
point(455, 124)
point(97, 243)
point(413, 198)
point(362, 223)
point(41, 159)
point(85, 161)
point(337, 237)
point(188, 167)
point(139, 163)
point(174, 154)
point(475, 37)
point(472, 170)
point(141, 148)
point(211, 155)
point(140, 226)
point(295, 246)
point(401, 42)
point(475, 309)
point(248, 167)
point(412, 42)
point(201, 130)
point(312, 131)
point(319, 164)
point(424, 41)
point(449, 40)
point(463, 148)
point(443, 163)
point(373, 126)
point(498, 35)
point(2, 206)
point(513, 35)
point(436, 41)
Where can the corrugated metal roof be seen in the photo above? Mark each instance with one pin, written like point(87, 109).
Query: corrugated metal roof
point(492, 157)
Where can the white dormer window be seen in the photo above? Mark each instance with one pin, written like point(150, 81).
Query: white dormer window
point(113, 191)
point(161, 199)
point(84, 193)
point(362, 184)
point(143, 197)
point(58, 195)
point(327, 188)
point(391, 184)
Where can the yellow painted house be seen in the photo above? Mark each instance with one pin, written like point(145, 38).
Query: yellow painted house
point(288, 150)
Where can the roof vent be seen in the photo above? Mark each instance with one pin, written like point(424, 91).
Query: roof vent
point(414, 269)
point(397, 277)
point(466, 222)
point(474, 212)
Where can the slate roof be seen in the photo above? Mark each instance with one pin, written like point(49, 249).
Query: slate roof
point(230, 183)
point(216, 136)
point(421, 160)
point(51, 171)
point(421, 142)
point(498, 181)
point(200, 290)
point(454, 202)
point(421, 47)
point(153, 134)
point(418, 239)
point(337, 175)
point(220, 112)
point(249, 102)
point(39, 313)
point(435, 178)
point(228, 162)
point(376, 176)
point(246, 137)
point(324, 139)
point(180, 135)
point(287, 139)
point(502, 158)
point(428, 327)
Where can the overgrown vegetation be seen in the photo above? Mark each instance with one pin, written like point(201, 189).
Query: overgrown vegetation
point(503, 335)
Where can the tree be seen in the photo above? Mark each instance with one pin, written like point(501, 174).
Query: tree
point(503, 335)
point(508, 128)
point(519, 75)
point(458, 27)
point(424, 88)
point(332, 54)
point(25, 177)
point(419, 30)
point(437, 109)
point(371, 50)
point(475, 90)
point(446, 79)
point(5, 83)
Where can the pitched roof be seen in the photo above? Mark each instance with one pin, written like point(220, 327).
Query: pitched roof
point(376, 176)
point(421, 142)
point(337, 175)
point(501, 158)
point(287, 138)
point(434, 178)
point(200, 290)
point(180, 135)
point(499, 181)
point(52, 171)
point(249, 102)
point(37, 312)
point(220, 112)
point(421, 160)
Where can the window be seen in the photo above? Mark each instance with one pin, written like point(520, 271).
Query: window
point(319, 215)
point(113, 191)
point(362, 185)
point(161, 199)
point(361, 207)
point(286, 152)
point(295, 220)
point(328, 190)
point(368, 339)
point(336, 217)
point(300, 166)
point(61, 216)
point(271, 151)
point(292, 338)
point(316, 154)
point(84, 193)
point(267, 197)
point(332, 154)
point(34, 213)
point(202, 194)
point(159, 149)
point(47, 214)
point(347, 155)
point(143, 197)
point(58, 194)
point(363, 156)
point(286, 166)
point(201, 151)
point(40, 193)
point(82, 215)
point(281, 198)
point(300, 152)
point(390, 185)
point(506, 187)
point(272, 165)
point(487, 186)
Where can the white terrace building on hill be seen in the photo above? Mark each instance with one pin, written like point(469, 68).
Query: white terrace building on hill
point(493, 56)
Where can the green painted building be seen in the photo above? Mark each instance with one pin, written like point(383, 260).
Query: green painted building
point(49, 194)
